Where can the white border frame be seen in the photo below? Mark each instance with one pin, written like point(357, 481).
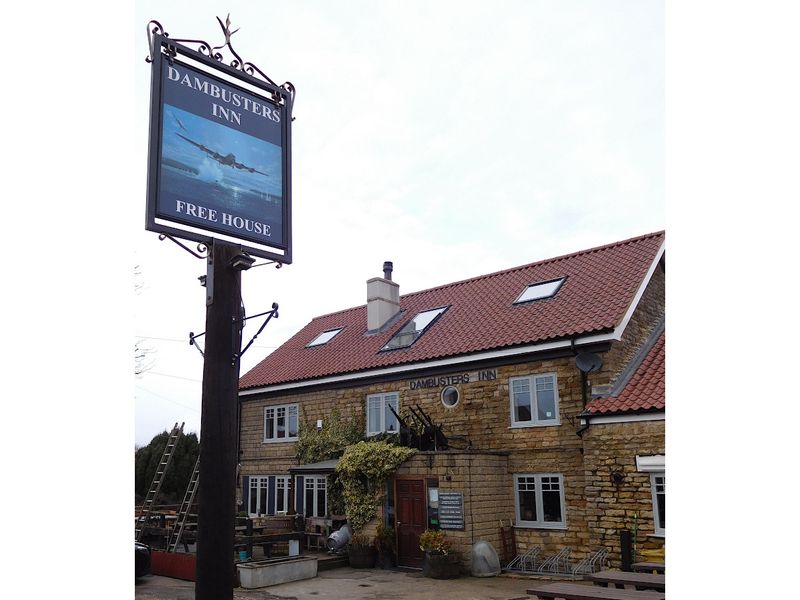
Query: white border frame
point(534, 402)
point(382, 396)
point(286, 439)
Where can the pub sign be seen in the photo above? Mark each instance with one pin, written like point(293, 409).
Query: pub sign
point(220, 153)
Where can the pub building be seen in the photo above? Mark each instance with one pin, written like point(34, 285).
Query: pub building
point(545, 383)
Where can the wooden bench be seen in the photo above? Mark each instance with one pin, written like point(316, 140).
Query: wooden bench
point(648, 567)
point(577, 591)
point(641, 581)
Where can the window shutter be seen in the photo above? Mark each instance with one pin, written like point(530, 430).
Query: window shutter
point(246, 493)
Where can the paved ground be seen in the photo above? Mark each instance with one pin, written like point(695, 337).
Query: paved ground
point(355, 584)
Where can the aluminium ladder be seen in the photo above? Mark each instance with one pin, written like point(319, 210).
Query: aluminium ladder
point(183, 513)
point(155, 487)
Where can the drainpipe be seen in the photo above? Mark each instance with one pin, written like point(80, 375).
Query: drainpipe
point(583, 429)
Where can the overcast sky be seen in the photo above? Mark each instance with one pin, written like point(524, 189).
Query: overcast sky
point(451, 138)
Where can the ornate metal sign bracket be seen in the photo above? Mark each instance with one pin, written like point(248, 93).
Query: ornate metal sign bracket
point(200, 247)
point(154, 28)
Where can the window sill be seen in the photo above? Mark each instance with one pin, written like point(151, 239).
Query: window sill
point(280, 441)
point(658, 536)
point(524, 525)
point(529, 425)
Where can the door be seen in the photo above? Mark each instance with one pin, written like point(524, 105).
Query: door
point(409, 521)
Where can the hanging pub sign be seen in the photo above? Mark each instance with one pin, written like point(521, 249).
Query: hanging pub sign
point(220, 150)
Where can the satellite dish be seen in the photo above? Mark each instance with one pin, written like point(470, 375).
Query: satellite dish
point(588, 362)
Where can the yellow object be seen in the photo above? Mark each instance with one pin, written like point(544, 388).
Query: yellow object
point(655, 555)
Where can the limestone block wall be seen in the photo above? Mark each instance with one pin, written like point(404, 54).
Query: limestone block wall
point(568, 461)
point(611, 506)
point(485, 483)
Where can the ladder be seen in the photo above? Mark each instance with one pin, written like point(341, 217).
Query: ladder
point(155, 487)
point(183, 513)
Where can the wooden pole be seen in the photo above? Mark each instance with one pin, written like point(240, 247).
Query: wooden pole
point(218, 427)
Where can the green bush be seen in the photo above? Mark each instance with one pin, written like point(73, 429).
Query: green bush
point(362, 472)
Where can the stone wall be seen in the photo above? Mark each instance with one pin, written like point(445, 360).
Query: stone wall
point(484, 481)
point(611, 506)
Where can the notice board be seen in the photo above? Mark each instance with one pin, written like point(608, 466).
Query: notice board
point(451, 510)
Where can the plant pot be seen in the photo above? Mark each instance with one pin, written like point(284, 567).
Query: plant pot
point(442, 566)
point(361, 557)
point(385, 559)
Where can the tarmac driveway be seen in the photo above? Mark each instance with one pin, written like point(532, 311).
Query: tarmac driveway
point(354, 584)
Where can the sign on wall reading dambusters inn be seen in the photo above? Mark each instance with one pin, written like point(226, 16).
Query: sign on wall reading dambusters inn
point(220, 153)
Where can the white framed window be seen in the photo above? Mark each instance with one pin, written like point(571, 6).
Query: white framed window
point(412, 330)
point(281, 495)
point(324, 337)
point(315, 497)
point(268, 495)
point(655, 464)
point(379, 414)
point(537, 291)
point(539, 500)
point(534, 400)
point(658, 485)
point(280, 423)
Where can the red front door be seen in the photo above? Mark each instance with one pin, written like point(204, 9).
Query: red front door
point(410, 521)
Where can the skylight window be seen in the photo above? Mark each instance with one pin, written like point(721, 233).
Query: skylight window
point(324, 337)
point(537, 291)
point(412, 330)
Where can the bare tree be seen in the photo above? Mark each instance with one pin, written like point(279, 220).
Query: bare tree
point(142, 361)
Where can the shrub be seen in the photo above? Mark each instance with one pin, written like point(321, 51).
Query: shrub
point(434, 542)
point(362, 470)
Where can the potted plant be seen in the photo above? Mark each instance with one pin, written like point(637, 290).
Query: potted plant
point(360, 552)
point(384, 542)
point(441, 561)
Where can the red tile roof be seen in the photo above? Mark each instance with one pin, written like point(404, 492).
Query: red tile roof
point(644, 391)
point(600, 285)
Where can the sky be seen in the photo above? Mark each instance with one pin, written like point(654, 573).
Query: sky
point(454, 139)
point(449, 138)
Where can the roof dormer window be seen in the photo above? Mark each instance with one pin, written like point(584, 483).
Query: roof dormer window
point(324, 337)
point(412, 330)
point(538, 291)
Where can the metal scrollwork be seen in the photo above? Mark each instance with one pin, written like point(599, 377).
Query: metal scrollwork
point(155, 28)
point(201, 247)
point(151, 36)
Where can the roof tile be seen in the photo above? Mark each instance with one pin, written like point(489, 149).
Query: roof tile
point(600, 285)
point(645, 391)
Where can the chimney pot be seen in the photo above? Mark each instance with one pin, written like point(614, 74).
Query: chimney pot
point(383, 299)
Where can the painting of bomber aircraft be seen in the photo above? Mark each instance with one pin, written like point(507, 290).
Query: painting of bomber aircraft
point(229, 160)
point(219, 168)
point(219, 154)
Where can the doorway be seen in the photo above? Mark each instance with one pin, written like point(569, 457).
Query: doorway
point(410, 521)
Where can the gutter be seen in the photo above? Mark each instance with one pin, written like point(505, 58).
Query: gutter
point(446, 362)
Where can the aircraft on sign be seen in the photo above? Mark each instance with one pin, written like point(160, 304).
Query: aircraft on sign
point(223, 159)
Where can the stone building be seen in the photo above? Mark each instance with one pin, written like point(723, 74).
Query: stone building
point(546, 379)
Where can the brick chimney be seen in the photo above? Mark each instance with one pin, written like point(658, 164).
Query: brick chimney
point(383, 299)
